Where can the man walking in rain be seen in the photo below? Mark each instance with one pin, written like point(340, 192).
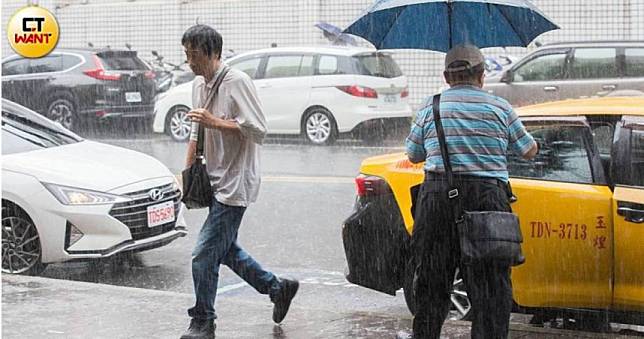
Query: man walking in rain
point(234, 128)
point(480, 128)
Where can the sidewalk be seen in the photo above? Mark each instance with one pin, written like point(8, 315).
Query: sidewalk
point(35, 307)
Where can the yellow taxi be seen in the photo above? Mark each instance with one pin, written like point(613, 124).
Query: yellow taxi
point(580, 203)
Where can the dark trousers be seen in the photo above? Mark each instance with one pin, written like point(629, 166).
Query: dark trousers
point(437, 255)
point(216, 245)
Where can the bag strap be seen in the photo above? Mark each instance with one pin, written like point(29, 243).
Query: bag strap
point(453, 193)
point(211, 97)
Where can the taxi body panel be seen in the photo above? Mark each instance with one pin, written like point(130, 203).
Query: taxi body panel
point(582, 219)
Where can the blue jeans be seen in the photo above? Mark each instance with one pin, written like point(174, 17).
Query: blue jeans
point(216, 245)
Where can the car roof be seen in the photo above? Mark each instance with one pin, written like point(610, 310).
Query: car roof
point(80, 50)
point(595, 43)
point(333, 50)
point(592, 106)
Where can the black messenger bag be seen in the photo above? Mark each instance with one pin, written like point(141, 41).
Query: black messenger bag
point(197, 191)
point(487, 236)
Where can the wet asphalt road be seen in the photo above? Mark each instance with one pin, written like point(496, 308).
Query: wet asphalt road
point(294, 229)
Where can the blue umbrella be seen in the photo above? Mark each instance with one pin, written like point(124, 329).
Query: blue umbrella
point(439, 25)
point(334, 34)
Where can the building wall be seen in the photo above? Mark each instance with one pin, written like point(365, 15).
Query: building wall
point(250, 24)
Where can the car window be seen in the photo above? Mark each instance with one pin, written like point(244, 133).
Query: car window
point(48, 64)
point(22, 134)
point(70, 61)
point(603, 136)
point(328, 64)
point(122, 62)
point(562, 156)
point(15, 67)
point(248, 66)
point(378, 65)
point(636, 158)
point(282, 66)
point(542, 68)
point(594, 63)
point(634, 58)
point(306, 68)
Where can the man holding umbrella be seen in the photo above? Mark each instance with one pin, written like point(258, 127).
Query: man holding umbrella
point(480, 128)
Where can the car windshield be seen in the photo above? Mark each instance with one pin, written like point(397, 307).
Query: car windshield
point(378, 65)
point(122, 61)
point(24, 131)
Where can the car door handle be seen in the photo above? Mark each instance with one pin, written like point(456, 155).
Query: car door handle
point(631, 214)
point(551, 88)
point(609, 87)
point(264, 86)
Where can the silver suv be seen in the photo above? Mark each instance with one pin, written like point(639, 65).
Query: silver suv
point(573, 70)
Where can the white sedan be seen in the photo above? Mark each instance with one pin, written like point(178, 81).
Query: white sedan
point(315, 92)
point(66, 198)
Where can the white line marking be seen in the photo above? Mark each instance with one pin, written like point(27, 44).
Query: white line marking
point(229, 288)
point(303, 179)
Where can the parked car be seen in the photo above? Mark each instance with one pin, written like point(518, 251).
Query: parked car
point(66, 198)
point(572, 70)
point(316, 92)
point(71, 86)
point(580, 203)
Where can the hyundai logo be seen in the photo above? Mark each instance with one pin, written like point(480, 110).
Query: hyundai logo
point(156, 194)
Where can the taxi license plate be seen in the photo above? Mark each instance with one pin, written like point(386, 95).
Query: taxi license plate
point(160, 214)
point(133, 96)
point(391, 98)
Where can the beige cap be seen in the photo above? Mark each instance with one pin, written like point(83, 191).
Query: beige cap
point(468, 54)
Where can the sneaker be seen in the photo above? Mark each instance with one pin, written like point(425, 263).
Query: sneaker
point(200, 329)
point(404, 335)
point(283, 299)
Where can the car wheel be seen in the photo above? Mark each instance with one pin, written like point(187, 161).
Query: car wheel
point(62, 111)
point(319, 127)
point(21, 250)
point(461, 308)
point(178, 124)
point(408, 287)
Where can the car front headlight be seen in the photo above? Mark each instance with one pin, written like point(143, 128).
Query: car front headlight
point(78, 196)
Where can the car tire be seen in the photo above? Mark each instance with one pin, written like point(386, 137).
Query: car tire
point(21, 248)
point(177, 123)
point(408, 287)
point(63, 111)
point(319, 127)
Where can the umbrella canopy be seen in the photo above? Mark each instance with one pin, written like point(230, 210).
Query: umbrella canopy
point(439, 25)
point(334, 34)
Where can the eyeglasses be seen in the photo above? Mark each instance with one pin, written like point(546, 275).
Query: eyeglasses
point(192, 52)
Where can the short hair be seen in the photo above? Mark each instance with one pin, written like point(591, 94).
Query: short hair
point(468, 75)
point(205, 38)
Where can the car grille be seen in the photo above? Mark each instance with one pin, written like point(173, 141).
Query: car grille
point(134, 213)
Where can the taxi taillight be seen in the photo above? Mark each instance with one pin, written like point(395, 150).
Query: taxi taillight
point(370, 185)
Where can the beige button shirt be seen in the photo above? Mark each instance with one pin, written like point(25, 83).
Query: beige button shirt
point(232, 158)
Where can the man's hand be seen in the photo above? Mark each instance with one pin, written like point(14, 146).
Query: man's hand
point(205, 118)
point(532, 152)
point(209, 120)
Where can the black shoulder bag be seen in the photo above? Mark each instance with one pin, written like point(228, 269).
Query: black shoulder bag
point(197, 191)
point(488, 236)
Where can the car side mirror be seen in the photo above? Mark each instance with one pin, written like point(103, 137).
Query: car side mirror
point(155, 53)
point(507, 77)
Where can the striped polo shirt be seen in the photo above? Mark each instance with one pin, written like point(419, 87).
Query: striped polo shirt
point(480, 129)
